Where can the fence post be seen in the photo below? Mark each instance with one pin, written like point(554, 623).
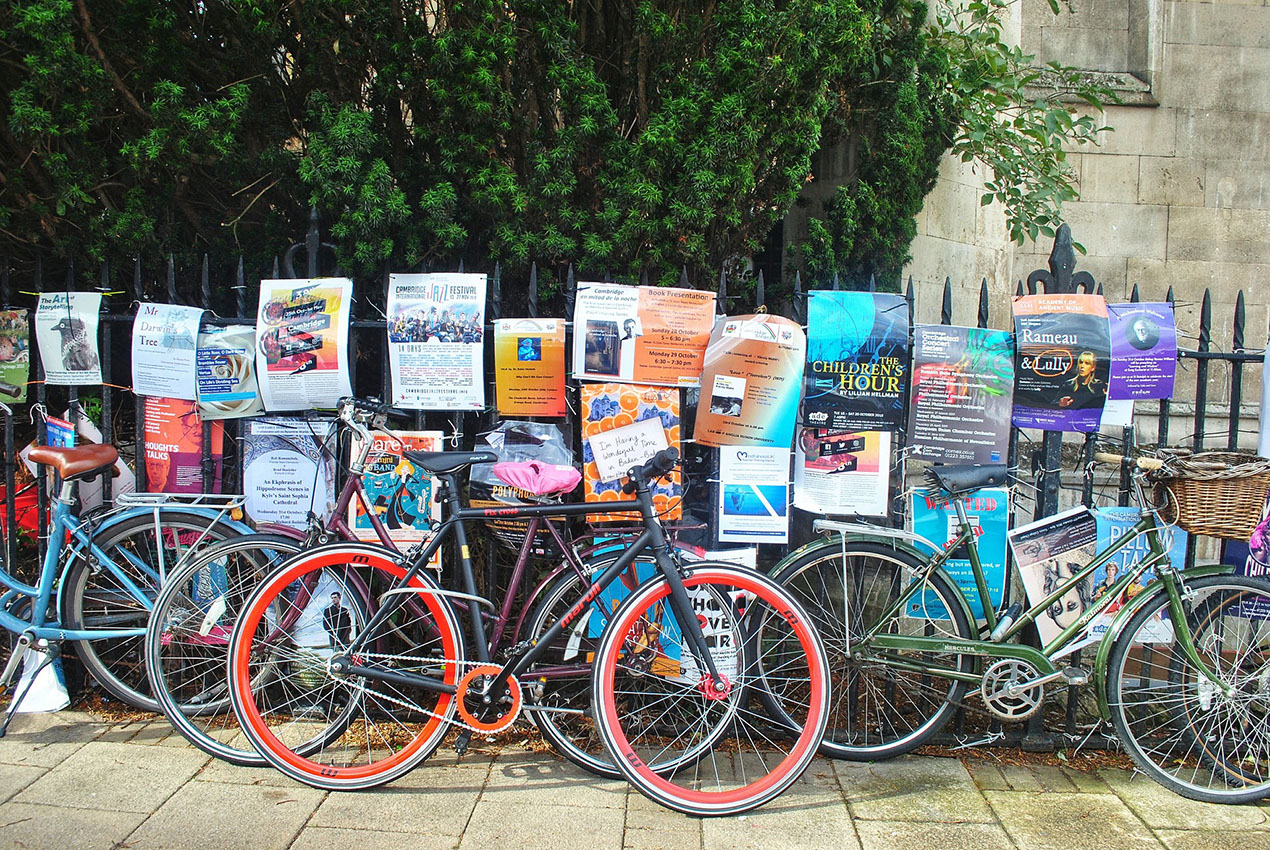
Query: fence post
point(107, 375)
point(1236, 374)
point(533, 290)
point(1201, 367)
point(138, 403)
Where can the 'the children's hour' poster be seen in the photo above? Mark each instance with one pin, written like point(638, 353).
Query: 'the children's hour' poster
point(857, 360)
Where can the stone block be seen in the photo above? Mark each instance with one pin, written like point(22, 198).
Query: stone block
point(529, 827)
point(1211, 839)
point(952, 215)
point(1118, 230)
point(57, 828)
point(1217, 134)
point(1171, 181)
point(1053, 821)
point(1135, 131)
point(1200, 76)
point(1109, 178)
point(13, 778)
point(115, 777)
point(913, 788)
point(1219, 235)
point(228, 816)
point(547, 780)
point(1237, 184)
point(1217, 24)
point(433, 801)
point(1189, 279)
point(325, 838)
point(800, 819)
point(1096, 49)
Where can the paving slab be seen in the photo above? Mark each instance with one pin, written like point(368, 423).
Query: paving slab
point(325, 838)
point(1160, 808)
point(530, 827)
point(803, 818)
point(544, 780)
point(903, 835)
point(204, 814)
point(1207, 839)
point(115, 777)
point(58, 827)
point(1075, 821)
point(15, 777)
point(427, 801)
point(913, 788)
point(223, 771)
point(650, 839)
point(44, 740)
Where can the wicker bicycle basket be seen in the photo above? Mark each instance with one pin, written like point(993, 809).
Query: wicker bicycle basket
point(1216, 494)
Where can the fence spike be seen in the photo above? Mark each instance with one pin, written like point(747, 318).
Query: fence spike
point(1134, 296)
point(461, 270)
point(5, 297)
point(873, 283)
point(981, 320)
point(171, 280)
point(240, 288)
point(1237, 337)
point(277, 269)
point(496, 294)
point(910, 295)
point(683, 277)
point(533, 290)
point(138, 289)
point(570, 292)
point(1169, 297)
point(760, 290)
point(312, 243)
point(837, 284)
point(643, 276)
point(800, 299)
point(103, 283)
point(1018, 290)
point(945, 306)
point(722, 302)
point(205, 283)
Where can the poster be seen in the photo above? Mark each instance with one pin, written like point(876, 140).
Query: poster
point(963, 390)
point(403, 496)
point(842, 472)
point(1143, 351)
point(174, 447)
point(1113, 524)
point(606, 407)
point(1048, 553)
point(435, 332)
point(529, 367)
point(66, 332)
point(753, 495)
point(225, 373)
point(288, 470)
point(1062, 361)
point(641, 334)
point(857, 360)
point(989, 513)
point(15, 355)
point(302, 342)
point(751, 382)
point(164, 341)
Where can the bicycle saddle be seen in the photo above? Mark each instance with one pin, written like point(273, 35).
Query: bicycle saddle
point(440, 463)
point(959, 479)
point(79, 462)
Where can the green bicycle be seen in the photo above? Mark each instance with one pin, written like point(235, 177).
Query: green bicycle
point(1182, 672)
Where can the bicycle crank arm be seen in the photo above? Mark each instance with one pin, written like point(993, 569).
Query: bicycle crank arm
point(341, 668)
point(1071, 675)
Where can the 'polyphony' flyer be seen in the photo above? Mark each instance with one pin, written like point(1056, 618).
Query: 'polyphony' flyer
point(1143, 350)
point(751, 383)
point(989, 513)
point(225, 373)
point(842, 472)
point(963, 390)
point(529, 367)
point(435, 332)
point(753, 494)
point(640, 334)
point(164, 341)
point(66, 332)
point(302, 342)
point(15, 355)
point(1062, 361)
point(857, 360)
point(288, 470)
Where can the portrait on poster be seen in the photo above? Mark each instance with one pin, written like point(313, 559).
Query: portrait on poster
point(1143, 351)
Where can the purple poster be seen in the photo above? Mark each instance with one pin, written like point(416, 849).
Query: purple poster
point(1062, 359)
point(1143, 350)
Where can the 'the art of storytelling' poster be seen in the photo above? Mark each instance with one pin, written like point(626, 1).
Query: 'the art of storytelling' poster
point(608, 407)
point(857, 360)
point(753, 494)
point(989, 513)
point(66, 332)
point(225, 373)
point(963, 389)
point(751, 383)
point(164, 340)
point(174, 447)
point(1062, 361)
point(641, 334)
point(435, 333)
point(302, 342)
point(842, 472)
point(288, 469)
point(15, 355)
point(402, 496)
point(529, 367)
point(1143, 351)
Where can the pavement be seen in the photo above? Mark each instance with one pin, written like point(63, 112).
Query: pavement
point(69, 781)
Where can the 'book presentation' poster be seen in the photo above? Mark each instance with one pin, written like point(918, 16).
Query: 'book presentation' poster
point(857, 360)
point(963, 390)
point(641, 334)
point(435, 340)
point(1063, 359)
point(302, 342)
point(529, 367)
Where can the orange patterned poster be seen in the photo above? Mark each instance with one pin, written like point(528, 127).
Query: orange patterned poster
point(529, 367)
point(609, 406)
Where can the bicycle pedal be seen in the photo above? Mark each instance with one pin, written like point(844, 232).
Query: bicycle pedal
point(461, 742)
point(1075, 676)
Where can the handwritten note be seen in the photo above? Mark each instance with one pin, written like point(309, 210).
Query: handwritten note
point(618, 450)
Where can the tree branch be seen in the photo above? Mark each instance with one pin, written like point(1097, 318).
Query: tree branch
point(87, 23)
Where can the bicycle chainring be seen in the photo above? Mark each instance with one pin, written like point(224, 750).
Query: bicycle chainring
point(1005, 690)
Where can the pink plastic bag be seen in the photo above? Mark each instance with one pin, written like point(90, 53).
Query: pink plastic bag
point(541, 479)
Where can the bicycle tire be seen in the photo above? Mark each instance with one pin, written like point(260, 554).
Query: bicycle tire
point(879, 709)
point(632, 686)
point(349, 734)
point(1179, 728)
point(187, 650)
point(93, 597)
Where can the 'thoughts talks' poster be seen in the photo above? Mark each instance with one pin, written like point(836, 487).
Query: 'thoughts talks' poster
point(1063, 358)
point(857, 360)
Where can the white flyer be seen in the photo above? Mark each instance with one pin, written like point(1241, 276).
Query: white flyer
point(226, 373)
point(302, 342)
point(753, 494)
point(435, 341)
point(842, 472)
point(288, 470)
point(618, 450)
point(164, 342)
point(66, 333)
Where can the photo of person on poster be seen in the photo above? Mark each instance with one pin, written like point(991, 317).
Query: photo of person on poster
point(337, 622)
point(1084, 390)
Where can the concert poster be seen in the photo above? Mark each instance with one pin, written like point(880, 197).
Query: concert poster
point(436, 351)
point(1062, 361)
point(529, 367)
point(1143, 351)
point(962, 393)
point(302, 342)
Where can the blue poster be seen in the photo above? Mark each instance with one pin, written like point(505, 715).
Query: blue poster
point(1113, 524)
point(989, 513)
point(857, 360)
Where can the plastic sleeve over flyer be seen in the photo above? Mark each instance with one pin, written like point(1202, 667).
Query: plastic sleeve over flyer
point(164, 345)
point(288, 470)
point(435, 340)
point(66, 332)
point(302, 342)
point(607, 407)
point(403, 496)
point(1062, 361)
point(15, 355)
point(225, 373)
point(842, 472)
point(857, 360)
point(529, 367)
point(753, 495)
point(644, 334)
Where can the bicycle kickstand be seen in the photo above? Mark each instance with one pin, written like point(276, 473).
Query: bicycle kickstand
point(51, 655)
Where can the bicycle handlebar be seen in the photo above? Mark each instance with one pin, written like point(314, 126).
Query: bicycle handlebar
point(656, 467)
point(376, 407)
point(1147, 463)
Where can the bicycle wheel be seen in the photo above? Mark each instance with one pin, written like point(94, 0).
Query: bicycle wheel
point(94, 597)
point(187, 639)
point(881, 705)
point(654, 699)
point(1204, 740)
point(336, 731)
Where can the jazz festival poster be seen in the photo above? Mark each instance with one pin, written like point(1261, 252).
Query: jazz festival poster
point(641, 334)
point(529, 367)
point(302, 342)
point(174, 447)
point(164, 342)
point(606, 407)
point(225, 373)
point(1062, 361)
point(436, 329)
point(962, 394)
point(66, 332)
point(842, 472)
point(288, 470)
point(857, 360)
point(989, 513)
point(753, 494)
point(1143, 351)
point(751, 382)
point(15, 355)
point(401, 495)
